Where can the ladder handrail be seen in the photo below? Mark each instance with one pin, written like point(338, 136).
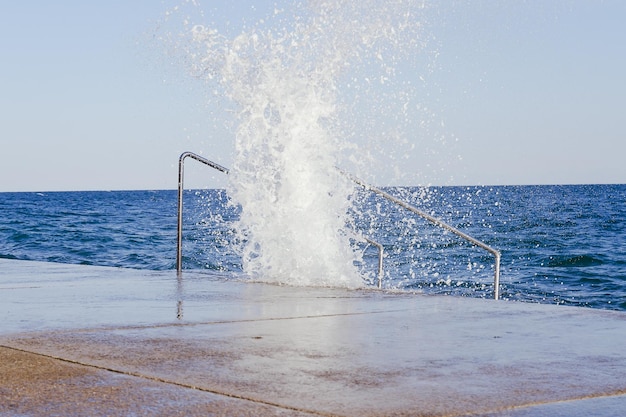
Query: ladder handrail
point(179, 243)
point(181, 169)
point(437, 222)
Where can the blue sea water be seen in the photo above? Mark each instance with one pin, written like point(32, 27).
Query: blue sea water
point(559, 244)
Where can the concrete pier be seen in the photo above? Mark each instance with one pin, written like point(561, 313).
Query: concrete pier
point(84, 340)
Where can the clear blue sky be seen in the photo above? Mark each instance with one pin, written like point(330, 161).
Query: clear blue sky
point(526, 92)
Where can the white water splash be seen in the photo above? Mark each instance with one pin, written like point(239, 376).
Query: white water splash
point(284, 80)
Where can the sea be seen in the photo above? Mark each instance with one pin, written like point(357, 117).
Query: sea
point(560, 244)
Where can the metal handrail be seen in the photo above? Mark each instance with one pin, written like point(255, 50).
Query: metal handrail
point(179, 243)
point(437, 222)
point(181, 169)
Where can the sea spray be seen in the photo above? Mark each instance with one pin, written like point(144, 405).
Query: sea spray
point(293, 199)
point(284, 80)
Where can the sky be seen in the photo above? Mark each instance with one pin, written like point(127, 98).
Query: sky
point(523, 92)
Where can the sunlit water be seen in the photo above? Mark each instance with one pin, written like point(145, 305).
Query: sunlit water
point(299, 83)
point(559, 244)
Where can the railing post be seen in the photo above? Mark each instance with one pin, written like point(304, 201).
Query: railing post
point(380, 260)
point(179, 235)
point(496, 278)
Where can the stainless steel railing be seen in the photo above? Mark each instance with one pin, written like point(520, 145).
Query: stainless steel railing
point(181, 187)
point(437, 222)
point(181, 178)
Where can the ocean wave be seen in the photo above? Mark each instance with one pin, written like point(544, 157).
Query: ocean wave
point(577, 261)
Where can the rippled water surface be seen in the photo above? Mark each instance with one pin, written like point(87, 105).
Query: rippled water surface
point(559, 244)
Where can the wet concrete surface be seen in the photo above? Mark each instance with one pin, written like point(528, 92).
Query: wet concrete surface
point(77, 340)
point(36, 385)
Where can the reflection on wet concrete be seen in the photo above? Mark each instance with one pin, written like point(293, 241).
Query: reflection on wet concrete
point(294, 351)
point(179, 293)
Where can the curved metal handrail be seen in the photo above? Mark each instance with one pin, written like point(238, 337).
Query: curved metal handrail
point(181, 174)
point(437, 222)
point(179, 243)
